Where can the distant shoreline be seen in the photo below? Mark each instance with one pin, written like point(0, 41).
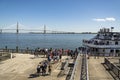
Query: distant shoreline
point(64, 33)
point(48, 33)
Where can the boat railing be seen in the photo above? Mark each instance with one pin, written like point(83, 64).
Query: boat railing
point(101, 46)
point(97, 43)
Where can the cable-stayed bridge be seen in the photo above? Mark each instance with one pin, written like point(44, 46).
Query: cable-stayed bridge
point(19, 28)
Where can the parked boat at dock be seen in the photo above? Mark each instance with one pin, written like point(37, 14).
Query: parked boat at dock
point(106, 43)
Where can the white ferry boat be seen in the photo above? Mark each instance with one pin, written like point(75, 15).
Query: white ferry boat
point(105, 43)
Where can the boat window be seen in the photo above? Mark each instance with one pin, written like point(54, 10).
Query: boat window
point(117, 51)
point(107, 42)
point(115, 35)
point(96, 50)
point(103, 50)
point(116, 43)
point(111, 50)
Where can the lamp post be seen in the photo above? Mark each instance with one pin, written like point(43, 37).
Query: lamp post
point(112, 29)
point(17, 38)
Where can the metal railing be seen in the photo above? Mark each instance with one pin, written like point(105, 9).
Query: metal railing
point(115, 70)
point(87, 67)
point(112, 67)
point(27, 50)
point(84, 68)
point(4, 55)
point(81, 62)
point(17, 51)
point(101, 46)
point(107, 62)
point(75, 67)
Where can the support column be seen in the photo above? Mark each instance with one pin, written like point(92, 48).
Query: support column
point(44, 29)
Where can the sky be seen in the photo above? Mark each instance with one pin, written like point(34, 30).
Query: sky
point(61, 15)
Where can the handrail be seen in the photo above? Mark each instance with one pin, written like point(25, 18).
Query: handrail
point(84, 68)
point(29, 51)
point(101, 46)
point(112, 67)
point(87, 68)
point(75, 67)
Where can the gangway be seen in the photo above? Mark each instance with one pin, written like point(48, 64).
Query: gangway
point(84, 68)
point(80, 70)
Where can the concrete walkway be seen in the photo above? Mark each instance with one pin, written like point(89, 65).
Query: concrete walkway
point(20, 67)
point(97, 70)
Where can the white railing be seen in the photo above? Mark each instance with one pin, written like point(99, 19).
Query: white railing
point(101, 46)
point(75, 67)
point(87, 67)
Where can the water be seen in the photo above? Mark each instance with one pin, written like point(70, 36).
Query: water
point(24, 40)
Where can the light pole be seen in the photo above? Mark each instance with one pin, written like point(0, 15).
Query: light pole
point(17, 38)
point(112, 29)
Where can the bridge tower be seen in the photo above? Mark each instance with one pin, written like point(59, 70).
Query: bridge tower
point(44, 29)
point(17, 30)
point(0, 30)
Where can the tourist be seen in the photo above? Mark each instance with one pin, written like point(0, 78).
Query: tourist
point(71, 53)
point(38, 69)
point(49, 68)
point(60, 55)
point(44, 67)
point(75, 53)
point(49, 57)
point(46, 51)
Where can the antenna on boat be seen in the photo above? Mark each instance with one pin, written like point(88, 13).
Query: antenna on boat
point(112, 29)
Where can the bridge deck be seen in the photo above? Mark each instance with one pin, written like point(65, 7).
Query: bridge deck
point(97, 70)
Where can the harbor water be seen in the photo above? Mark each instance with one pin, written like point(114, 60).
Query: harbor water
point(24, 40)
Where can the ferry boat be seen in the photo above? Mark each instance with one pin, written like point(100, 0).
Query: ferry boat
point(105, 43)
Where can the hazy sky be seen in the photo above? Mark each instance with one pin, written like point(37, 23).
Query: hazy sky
point(62, 15)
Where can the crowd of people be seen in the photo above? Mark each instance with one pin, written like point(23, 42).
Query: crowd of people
point(43, 68)
point(52, 55)
point(55, 54)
